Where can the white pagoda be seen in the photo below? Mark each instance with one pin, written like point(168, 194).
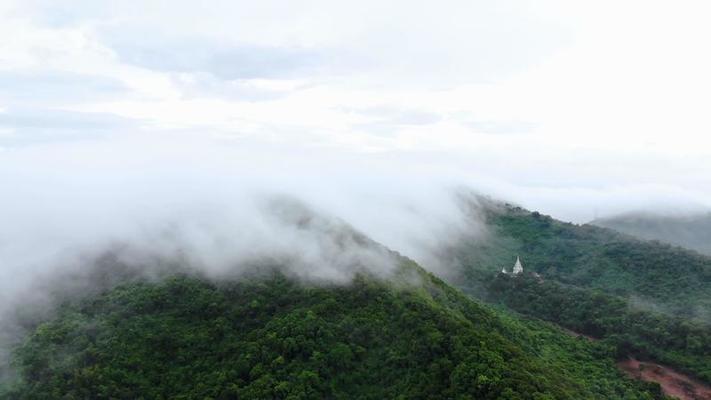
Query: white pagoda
point(517, 269)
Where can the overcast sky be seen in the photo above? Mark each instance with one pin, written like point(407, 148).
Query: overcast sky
point(575, 108)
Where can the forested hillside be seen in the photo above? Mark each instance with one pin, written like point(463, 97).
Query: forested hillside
point(186, 338)
point(651, 275)
point(671, 340)
point(643, 298)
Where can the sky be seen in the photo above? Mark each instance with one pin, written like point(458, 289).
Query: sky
point(577, 109)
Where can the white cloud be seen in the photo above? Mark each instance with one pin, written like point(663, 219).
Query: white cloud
point(547, 97)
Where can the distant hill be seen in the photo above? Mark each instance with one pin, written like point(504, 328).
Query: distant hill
point(270, 337)
point(692, 231)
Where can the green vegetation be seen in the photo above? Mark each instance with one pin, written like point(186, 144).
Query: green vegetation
point(667, 278)
point(271, 338)
point(185, 337)
point(643, 298)
point(671, 340)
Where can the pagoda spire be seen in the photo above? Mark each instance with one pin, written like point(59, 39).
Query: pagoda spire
point(518, 268)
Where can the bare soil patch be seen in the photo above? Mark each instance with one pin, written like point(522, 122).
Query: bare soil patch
point(673, 383)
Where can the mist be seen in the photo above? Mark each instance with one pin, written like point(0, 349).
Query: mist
point(215, 205)
point(679, 227)
point(221, 204)
point(81, 217)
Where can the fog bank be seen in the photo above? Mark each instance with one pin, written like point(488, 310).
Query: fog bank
point(216, 204)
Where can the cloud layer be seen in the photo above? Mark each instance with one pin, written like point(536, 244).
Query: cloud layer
point(576, 109)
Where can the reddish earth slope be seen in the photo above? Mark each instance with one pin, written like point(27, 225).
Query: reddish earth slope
point(672, 382)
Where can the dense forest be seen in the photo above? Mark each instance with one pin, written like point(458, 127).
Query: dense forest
point(651, 274)
point(186, 337)
point(645, 299)
point(685, 344)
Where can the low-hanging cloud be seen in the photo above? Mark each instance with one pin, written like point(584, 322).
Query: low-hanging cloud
point(217, 204)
